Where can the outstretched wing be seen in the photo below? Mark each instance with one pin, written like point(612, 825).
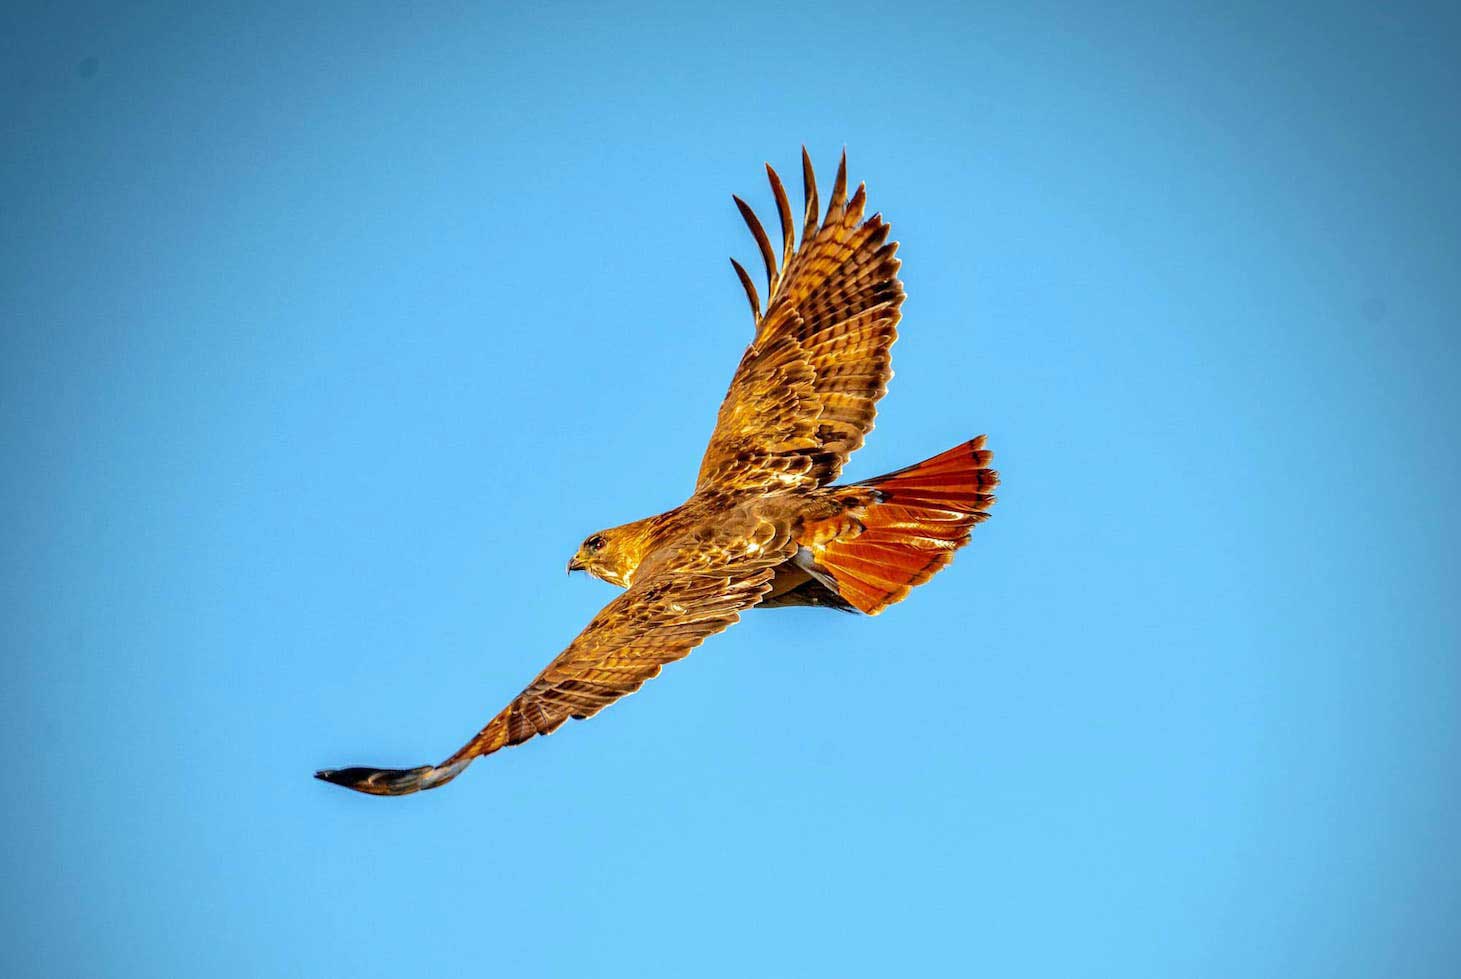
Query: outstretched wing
point(690, 595)
point(806, 391)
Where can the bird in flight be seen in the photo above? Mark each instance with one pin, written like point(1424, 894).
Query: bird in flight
point(765, 526)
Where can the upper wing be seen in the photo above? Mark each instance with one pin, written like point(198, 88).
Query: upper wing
point(692, 594)
point(807, 388)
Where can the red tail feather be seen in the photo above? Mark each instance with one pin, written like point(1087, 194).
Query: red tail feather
point(925, 513)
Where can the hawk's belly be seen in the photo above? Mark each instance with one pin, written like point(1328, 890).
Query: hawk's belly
point(793, 585)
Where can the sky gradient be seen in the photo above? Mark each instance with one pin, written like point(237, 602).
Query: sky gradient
point(330, 333)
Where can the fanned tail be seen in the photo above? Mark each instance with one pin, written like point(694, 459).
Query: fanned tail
point(923, 514)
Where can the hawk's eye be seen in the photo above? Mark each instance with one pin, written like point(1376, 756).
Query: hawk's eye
point(594, 543)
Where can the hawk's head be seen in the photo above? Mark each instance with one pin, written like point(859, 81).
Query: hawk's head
point(612, 555)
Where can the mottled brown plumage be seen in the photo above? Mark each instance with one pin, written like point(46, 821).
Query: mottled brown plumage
point(763, 526)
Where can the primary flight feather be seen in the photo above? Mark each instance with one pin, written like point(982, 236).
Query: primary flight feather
point(763, 526)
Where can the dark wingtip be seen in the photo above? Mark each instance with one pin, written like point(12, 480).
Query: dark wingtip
point(387, 781)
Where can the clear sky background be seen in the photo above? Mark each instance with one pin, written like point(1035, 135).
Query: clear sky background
point(328, 334)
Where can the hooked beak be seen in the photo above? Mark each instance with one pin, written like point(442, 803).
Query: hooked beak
point(574, 564)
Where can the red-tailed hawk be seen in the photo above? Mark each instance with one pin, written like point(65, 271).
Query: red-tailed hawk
point(764, 526)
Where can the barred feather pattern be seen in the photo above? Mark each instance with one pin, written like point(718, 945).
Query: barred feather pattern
point(805, 394)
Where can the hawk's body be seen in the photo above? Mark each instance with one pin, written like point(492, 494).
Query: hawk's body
point(764, 526)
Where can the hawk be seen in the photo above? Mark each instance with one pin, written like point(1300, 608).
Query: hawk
point(765, 526)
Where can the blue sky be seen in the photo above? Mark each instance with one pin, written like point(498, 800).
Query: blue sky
point(330, 333)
